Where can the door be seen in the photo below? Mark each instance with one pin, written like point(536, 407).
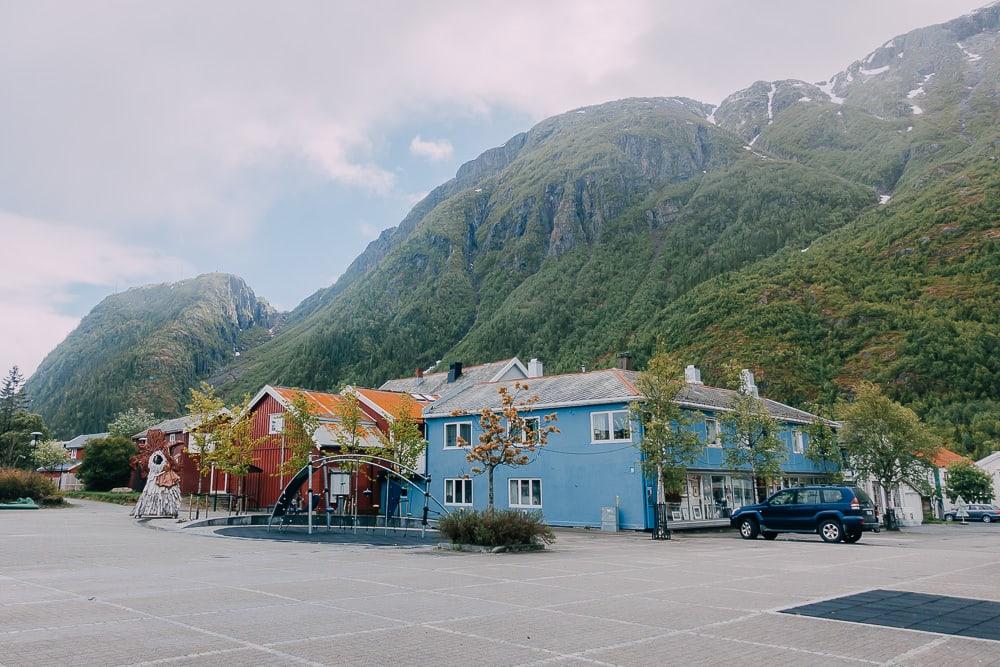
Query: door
point(778, 510)
point(807, 503)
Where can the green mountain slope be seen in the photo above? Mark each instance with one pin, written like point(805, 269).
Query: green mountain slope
point(145, 347)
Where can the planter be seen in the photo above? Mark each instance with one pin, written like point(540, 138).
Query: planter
point(478, 548)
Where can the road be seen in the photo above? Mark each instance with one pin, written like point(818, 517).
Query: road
point(88, 586)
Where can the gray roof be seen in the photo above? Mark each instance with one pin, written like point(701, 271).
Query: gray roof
point(62, 467)
point(595, 388)
point(436, 384)
point(80, 441)
point(175, 425)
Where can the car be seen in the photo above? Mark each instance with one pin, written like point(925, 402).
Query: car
point(981, 512)
point(836, 513)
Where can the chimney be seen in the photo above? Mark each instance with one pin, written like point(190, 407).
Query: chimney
point(419, 372)
point(692, 375)
point(625, 361)
point(747, 385)
point(454, 371)
point(535, 368)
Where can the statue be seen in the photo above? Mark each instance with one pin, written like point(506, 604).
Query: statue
point(161, 497)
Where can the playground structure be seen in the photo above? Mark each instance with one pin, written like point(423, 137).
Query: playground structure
point(335, 490)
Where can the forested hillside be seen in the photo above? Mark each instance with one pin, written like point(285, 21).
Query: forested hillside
point(144, 348)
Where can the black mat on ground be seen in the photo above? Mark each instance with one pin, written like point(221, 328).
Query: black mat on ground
point(964, 617)
point(377, 537)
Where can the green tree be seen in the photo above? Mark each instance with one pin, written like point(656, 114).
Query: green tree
point(49, 454)
point(404, 443)
point(824, 448)
point(886, 442)
point(750, 436)
point(300, 426)
point(668, 444)
point(969, 481)
point(131, 421)
point(12, 398)
point(16, 442)
point(106, 464)
point(508, 439)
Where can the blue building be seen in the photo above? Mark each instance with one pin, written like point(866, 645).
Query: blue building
point(594, 461)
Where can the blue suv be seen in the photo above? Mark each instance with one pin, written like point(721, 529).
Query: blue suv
point(837, 513)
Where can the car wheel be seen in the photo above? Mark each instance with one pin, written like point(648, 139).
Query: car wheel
point(986, 518)
point(749, 529)
point(851, 538)
point(831, 531)
point(769, 534)
point(949, 517)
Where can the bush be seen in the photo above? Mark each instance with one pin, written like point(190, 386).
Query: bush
point(16, 484)
point(495, 528)
point(106, 464)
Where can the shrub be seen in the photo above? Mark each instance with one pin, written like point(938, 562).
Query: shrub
point(16, 484)
point(106, 464)
point(495, 528)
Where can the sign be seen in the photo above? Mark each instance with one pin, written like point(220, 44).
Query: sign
point(340, 483)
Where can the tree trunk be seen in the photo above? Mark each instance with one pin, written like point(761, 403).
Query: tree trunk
point(489, 477)
point(661, 493)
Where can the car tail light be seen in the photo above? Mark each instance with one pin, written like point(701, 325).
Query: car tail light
point(855, 504)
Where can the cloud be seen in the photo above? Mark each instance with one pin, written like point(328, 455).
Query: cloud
point(435, 151)
point(44, 261)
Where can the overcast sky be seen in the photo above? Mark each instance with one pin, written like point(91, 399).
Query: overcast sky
point(146, 142)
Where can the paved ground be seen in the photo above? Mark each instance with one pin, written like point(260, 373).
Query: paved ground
point(87, 586)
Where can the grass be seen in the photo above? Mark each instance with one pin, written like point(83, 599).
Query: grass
point(105, 496)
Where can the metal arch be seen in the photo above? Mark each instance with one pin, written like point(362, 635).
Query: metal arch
point(366, 459)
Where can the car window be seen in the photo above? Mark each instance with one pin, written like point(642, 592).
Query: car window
point(808, 497)
point(783, 498)
point(833, 496)
point(863, 496)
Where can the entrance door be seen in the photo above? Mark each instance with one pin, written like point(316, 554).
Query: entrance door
point(779, 510)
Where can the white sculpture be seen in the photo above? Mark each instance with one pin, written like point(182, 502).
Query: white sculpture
point(161, 497)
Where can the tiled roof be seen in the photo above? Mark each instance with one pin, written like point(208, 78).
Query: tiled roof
point(175, 425)
point(437, 383)
point(595, 387)
point(80, 441)
point(945, 457)
point(65, 466)
point(321, 403)
point(391, 402)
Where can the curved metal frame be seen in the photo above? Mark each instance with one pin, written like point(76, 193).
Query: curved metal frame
point(364, 459)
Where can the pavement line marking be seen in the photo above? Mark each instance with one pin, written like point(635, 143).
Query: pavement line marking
point(913, 652)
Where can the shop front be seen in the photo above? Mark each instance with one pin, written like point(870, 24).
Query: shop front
point(713, 496)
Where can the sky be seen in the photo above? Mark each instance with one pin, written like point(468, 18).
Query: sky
point(150, 142)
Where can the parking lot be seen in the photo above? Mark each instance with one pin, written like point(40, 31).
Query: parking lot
point(87, 585)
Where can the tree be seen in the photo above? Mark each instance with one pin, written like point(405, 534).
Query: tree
point(749, 434)
point(886, 442)
point(350, 424)
point(404, 443)
point(12, 398)
point(300, 425)
point(50, 454)
point(204, 407)
point(970, 482)
point(16, 442)
point(107, 463)
point(668, 444)
point(824, 446)
point(508, 439)
point(131, 421)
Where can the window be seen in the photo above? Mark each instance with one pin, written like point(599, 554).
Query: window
point(712, 433)
point(833, 496)
point(532, 425)
point(525, 493)
point(458, 492)
point(172, 439)
point(782, 498)
point(798, 442)
point(610, 426)
point(458, 434)
point(276, 424)
point(808, 497)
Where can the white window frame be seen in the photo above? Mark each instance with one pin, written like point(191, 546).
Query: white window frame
point(458, 434)
point(717, 441)
point(798, 442)
point(536, 430)
point(271, 421)
point(611, 427)
point(466, 485)
point(520, 480)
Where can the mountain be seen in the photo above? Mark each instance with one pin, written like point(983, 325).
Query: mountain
point(145, 347)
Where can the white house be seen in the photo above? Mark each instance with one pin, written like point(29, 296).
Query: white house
point(991, 464)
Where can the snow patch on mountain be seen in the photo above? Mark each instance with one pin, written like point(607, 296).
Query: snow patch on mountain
point(970, 56)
